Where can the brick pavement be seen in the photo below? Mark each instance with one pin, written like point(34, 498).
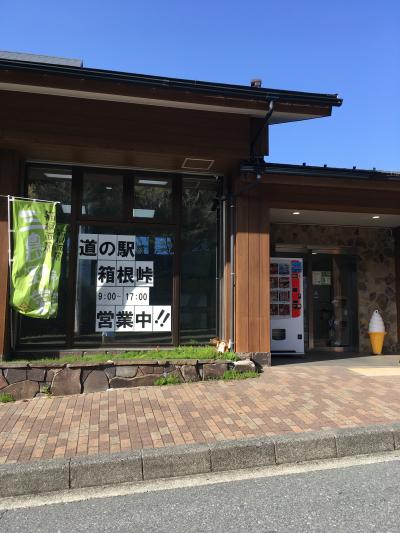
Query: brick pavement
point(284, 399)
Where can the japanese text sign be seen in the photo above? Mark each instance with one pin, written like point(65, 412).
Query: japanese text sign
point(122, 285)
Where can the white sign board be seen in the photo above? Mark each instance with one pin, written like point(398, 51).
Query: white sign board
point(321, 277)
point(122, 285)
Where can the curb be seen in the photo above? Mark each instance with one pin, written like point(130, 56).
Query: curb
point(148, 464)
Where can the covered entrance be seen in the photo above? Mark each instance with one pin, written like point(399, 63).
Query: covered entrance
point(348, 271)
point(344, 225)
point(328, 299)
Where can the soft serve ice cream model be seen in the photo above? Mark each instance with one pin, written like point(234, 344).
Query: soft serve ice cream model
point(376, 331)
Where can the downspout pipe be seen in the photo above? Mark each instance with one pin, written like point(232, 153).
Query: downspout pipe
point(232, 228)
point(261, 129)
point(232, 240)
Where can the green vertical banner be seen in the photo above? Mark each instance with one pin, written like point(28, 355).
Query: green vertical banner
point(36, 260)
point(60, 233)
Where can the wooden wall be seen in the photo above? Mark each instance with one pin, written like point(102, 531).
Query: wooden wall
point(252, 273)
point(98, 132)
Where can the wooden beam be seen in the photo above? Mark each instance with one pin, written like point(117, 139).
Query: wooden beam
point(323, 181)
point(320, 198)
point(10, 175)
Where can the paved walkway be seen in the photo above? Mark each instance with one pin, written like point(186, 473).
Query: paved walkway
point(291, 398)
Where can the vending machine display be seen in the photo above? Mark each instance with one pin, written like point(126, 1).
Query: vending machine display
point(287, 319)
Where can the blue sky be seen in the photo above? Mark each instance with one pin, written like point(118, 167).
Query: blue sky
point(350, 47)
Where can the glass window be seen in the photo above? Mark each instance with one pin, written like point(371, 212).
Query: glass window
point(52, 331)
point(102, 195)
point(153, 197)
point(124, 286)
point(199, 260)
point(53, 184)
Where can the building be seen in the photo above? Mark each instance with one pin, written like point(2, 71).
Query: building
point(179, 165)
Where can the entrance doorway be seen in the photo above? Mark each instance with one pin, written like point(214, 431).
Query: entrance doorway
point(330, 296)
point(332, 301)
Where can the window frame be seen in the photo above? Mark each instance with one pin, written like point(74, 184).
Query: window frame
point(127, 220)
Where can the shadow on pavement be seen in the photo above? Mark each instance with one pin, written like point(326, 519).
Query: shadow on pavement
point(336, 359)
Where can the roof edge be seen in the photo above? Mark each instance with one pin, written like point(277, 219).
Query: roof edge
point(331, 172)
point(210, 88)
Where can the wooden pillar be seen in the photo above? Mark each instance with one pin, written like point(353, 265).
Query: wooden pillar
point(10, 176)
point(252, 294)
point(396, 233)
point(226, 293)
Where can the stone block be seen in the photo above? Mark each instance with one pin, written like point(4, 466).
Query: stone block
point(34, 477)
point(96, 470)
point(370, 439)
point(242, 453)
point(125, 362)
point(176, 461)
point(3, 381)
point(67, 381)
point(22, 390)
point(152, 369)
point(214, 370)
point(120, 383)
point(170, 369)
point(9, 364)
point(189, 373)
point(84, 364)
point(95, 382)
point(84, 374)
point(159, 370)
point(110, 371)
point(126, 371)
point(261, 359)
point(13, 375)
point(243, 356)
point(179, 362)
point(244, 366)
point(144, 370)
point(51, 373)
point(137, 362)
point(36, 374)
point(304, 447)
point(47, 365)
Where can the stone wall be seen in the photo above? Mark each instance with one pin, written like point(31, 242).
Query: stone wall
point(375, 269)
point(35, 379)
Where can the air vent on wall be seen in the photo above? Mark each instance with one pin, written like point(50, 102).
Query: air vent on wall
point(193, 163)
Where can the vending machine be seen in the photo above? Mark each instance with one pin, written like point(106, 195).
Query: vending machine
point(287, 309)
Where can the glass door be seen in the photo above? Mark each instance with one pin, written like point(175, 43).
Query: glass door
point(333, 301)
point(322, 296)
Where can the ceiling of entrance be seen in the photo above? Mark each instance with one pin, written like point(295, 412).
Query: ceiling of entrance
point(330, 218)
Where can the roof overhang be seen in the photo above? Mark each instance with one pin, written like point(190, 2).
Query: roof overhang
point(288, 172)
point(94, 84)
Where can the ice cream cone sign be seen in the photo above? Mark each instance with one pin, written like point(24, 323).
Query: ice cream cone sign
point(376, 332)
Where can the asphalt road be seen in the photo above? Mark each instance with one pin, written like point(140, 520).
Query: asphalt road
point(355, 498)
